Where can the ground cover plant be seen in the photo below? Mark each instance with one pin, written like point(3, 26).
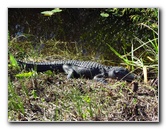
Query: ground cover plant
point(49, 96)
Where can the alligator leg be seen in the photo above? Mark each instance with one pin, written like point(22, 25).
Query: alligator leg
point(71, 73)
point(100, 78)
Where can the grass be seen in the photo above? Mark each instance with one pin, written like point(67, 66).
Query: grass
point(49, 96)
point(15, 100)
point(146, 59)
point(81, 100)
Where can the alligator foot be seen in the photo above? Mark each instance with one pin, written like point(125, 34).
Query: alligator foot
point(100, 78)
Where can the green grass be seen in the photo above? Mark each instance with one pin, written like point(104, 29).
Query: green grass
point(147, 59)
point(15, 101)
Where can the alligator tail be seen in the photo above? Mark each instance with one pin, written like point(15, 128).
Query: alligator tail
point(40, 67)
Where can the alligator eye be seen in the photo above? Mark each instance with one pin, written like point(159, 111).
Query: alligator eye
point(116, 71)
point(120, 71)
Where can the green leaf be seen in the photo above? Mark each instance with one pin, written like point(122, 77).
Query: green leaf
point(50, 13)
point(56, 10)
point(25, 75)
point(47, 13)
point(87, 99)
point(13, 61)
point(34, 94)
point(49, 72)
point(134, 100)
point(104, 14)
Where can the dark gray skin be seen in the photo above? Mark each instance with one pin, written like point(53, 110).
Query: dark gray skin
point(86, 69)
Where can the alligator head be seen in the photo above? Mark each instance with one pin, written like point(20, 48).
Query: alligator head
point(121, 73)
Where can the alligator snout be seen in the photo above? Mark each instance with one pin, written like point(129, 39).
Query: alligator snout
point(121, 73)
point(129, 77)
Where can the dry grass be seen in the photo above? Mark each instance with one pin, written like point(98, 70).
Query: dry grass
point(53, 98)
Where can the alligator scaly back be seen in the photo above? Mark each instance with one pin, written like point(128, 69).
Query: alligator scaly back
point(57, 65)
point(77, 69)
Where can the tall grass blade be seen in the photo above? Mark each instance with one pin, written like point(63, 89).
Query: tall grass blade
point(120, 56)
point(13, 61)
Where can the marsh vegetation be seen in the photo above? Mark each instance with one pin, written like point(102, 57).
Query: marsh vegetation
point(125, 37)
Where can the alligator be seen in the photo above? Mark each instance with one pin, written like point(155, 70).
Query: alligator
point(77, 69)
